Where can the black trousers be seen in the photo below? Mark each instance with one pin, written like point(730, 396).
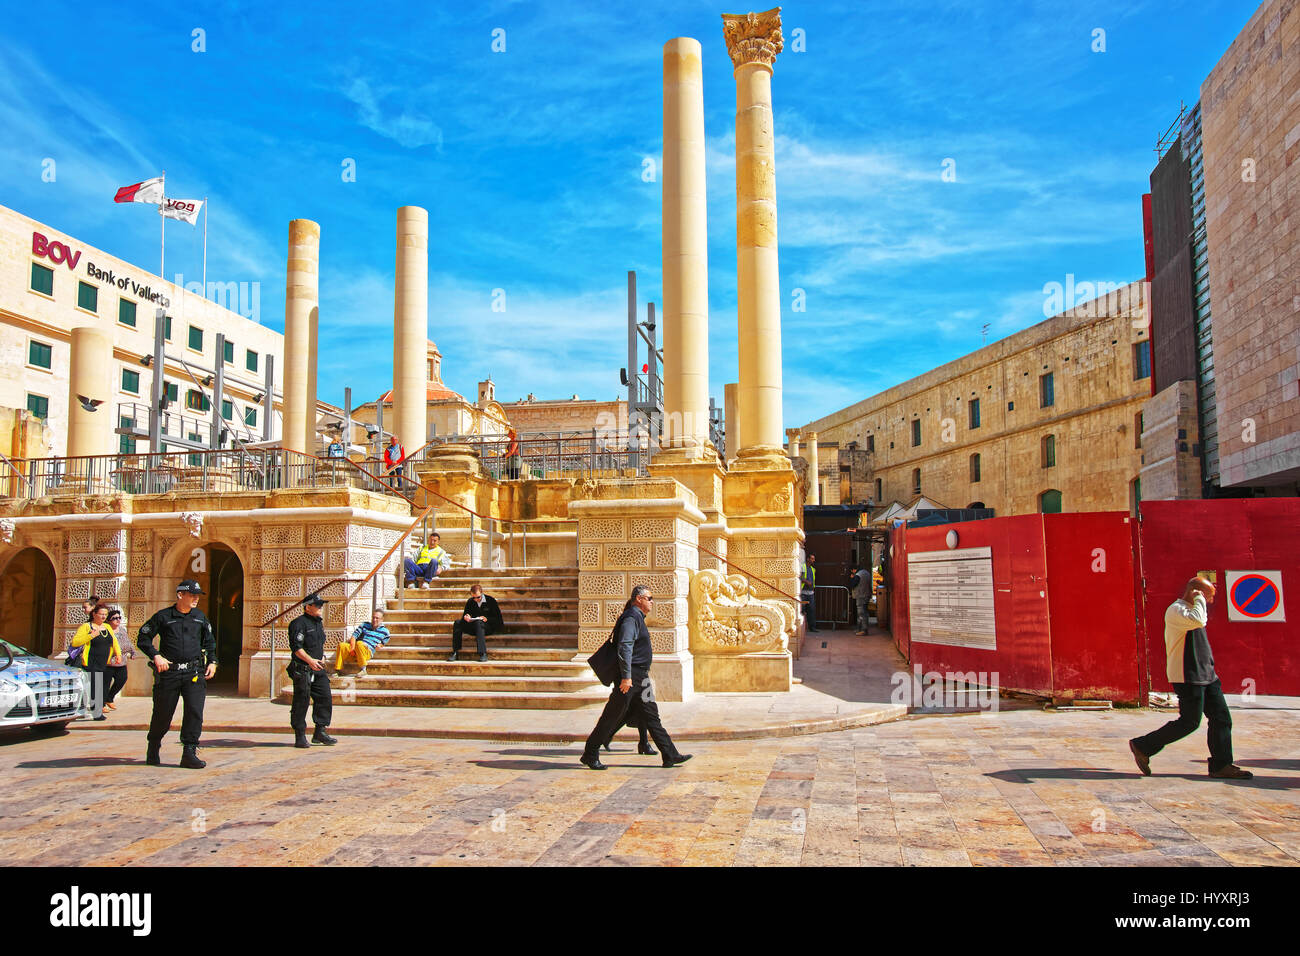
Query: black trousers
point(1194, 700)
point(480, 633)
point(810, 611)
point(116, 681)
point(636, 706)
point(169, 687)
point(314, 686)
point(629, 720)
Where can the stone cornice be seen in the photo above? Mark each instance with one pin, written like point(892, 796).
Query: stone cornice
point(753, 37)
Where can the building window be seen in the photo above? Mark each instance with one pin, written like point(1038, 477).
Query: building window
point(40, 355)
point(42, 279)
point(227, 409)
point(1047, 390)
point(916, 481)
point(880, 491)
point(125, 444)
point(38, 405)
point(974, 409)
point(1141, 360)
point(1137, 430)
point(871, 443)
point(172, 391)
point(196, 461)
point(1049, 451)
point(87, 297)
point(167, 327)
point(228, 352)
point(1049, 502)
point(974, 468)
point(916, 432)
point(196, 400)
point(250, 416)
point(126, 312)
point(130, 381)
point(196, 338)
point(1011, 406)
point(250, 360)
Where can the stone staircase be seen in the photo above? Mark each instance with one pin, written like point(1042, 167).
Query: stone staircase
point(529, 666)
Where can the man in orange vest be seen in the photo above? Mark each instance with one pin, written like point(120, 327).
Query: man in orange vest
point(394, 455)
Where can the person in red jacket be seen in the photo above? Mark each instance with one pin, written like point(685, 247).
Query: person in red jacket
point(394, 455)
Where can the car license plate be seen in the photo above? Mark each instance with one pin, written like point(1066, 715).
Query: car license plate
point(58, 700)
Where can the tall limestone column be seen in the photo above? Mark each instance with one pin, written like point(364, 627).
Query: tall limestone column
point(687, 455)
point(411, 329)
point(731, 409)
point(814, 484)
point(301, 307)
point(685, 250)
point(754, 40)
point(759, 488)
point(793, 435)
point(90, 430)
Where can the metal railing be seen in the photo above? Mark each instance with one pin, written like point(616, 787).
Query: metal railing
point(576, 454)
point(189, 472)
point(177, 426)
point(833, 604)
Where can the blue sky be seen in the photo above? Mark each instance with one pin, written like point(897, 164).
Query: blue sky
point(531, 164)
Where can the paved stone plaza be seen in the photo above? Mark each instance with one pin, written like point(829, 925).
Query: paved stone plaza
point(1019, 787)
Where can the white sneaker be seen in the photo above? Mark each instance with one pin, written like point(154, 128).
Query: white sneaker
point(424, 585)
point(362, 672)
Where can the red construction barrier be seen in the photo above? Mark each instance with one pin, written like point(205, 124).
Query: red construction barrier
point(1180, 538)
point(1078, 616)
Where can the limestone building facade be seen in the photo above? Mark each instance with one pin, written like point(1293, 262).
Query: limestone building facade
point(1047, 419)
point(52, 282)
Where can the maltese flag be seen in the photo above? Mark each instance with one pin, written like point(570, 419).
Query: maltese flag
point(185, 209)
point(151, 190)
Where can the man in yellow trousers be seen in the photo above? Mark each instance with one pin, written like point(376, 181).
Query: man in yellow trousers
point(366, 639)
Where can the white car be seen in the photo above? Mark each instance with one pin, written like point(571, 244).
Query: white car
point(39, 693)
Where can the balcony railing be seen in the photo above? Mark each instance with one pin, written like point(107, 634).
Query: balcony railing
point(191, 472)
point(180, 426)
point(564, 456)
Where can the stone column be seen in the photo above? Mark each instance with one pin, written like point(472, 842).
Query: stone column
point(90, 431)
point(793, 435)
point(310, 441)
point(301, 304)
point(754, 40)
point(685, 250)
point(731, 409)
point(411, 329)
point(814, 486)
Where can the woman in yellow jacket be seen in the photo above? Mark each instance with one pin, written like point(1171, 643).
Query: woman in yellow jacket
point(100, 645)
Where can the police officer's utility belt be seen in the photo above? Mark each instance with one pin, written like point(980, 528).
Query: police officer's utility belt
point(189, 665)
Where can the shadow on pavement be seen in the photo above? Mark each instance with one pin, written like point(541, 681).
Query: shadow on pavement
point(66, 762)
point(1031, 774)
point(566, 763)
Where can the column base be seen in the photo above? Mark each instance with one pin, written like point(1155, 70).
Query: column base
point(673, 676)
point(768, 671)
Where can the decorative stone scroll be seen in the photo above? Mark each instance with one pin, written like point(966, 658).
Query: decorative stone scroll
point(7, 528)
point(193, 521)
point(726, 617)
point(753, 37)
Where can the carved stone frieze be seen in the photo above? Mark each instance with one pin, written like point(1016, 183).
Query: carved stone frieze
point(727, 618)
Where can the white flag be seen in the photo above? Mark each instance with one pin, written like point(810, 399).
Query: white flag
point(186, 209)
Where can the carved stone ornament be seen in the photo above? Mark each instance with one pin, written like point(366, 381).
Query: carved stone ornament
point(726, 617)
point(7, 528)
point(753, 37)
point(194, 521)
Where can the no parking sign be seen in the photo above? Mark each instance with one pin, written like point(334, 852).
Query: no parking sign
point(1254, 595)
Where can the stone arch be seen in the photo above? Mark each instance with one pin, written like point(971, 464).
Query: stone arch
point(29, 588)
point(202, 559)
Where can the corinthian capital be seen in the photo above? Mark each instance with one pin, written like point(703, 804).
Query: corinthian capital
point(753, 37)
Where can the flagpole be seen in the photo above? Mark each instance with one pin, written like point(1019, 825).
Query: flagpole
point(162, 248)
point(205, 247)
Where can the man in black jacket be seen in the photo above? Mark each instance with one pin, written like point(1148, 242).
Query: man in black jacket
point(482, 616)
point(183, 661)
point(634, 691)
point(310, 678)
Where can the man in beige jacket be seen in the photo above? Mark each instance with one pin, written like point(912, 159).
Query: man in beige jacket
point(1189, 665)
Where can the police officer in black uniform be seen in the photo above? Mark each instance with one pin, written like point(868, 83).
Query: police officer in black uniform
point(310, 677)
point(182, 651)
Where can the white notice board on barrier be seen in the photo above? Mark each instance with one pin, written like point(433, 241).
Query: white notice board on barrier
point(950, 597)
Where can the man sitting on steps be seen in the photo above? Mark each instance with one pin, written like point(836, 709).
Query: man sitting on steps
point(482, 616)
point(366, 639)
point(427, 564)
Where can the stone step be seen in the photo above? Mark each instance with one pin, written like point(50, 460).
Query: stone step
point(513, 653)
point(515, 700)
point(458, 596)
point(516, 620)
point(429, 666)
point(473, 683)
point(552, 630)
point(571, 572)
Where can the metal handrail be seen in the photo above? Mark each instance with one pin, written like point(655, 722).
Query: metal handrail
point(748, 574)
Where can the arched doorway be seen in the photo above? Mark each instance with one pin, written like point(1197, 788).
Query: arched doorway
point(27, 595)
point(224, 606)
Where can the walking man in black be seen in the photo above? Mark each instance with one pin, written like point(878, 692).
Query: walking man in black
point(482, 616)
point(182, 651)
point(310, 678)
point(634, 692)
point(1189, 665)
